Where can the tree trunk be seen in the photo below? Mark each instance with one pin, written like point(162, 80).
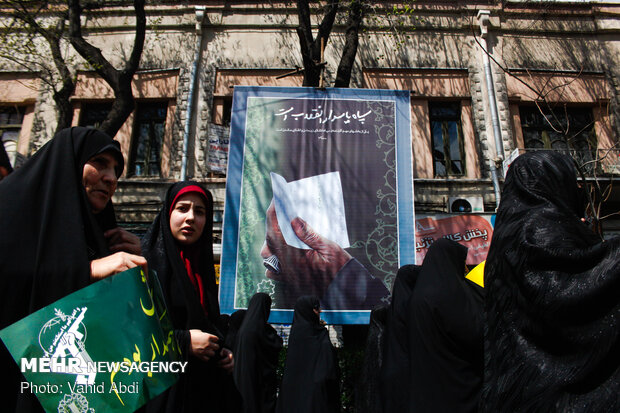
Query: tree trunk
point(310, 47)
point(64, 107)
point(62, 97)
point(119, 80)
point(347, 60)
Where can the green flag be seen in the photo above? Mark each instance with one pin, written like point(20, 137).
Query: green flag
point(108, 347)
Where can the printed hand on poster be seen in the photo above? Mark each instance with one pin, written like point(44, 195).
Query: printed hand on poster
point(303, 271)
point(325, 270)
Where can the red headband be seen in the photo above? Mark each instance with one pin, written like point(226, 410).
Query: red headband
point(185, 190)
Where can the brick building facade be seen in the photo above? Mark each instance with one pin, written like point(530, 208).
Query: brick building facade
point(447, 54)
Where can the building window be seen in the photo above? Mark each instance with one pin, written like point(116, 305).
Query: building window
point(569, 130)
point(11, 119)
point(149, 129)
point(447, 139)
point(93, 114)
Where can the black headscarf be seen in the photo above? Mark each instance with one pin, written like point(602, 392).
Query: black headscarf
point(395, 368)
point(234, 324)
point(256, 357)
point(49, 233)
point(552, 332)
point(310, 382)
point(445, 334)
point(199, 385)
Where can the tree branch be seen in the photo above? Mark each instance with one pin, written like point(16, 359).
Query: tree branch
point(347, 60)
point(89, 52)
point(119, 80)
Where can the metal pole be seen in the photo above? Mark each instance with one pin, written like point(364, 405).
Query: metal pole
point(483, 16)
point(192, 87)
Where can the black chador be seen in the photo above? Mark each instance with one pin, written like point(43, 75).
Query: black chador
point(310, 383)
point(49, 235)
point(256, 351)
point(394, 374)
point(445, 334)
point(552, 334)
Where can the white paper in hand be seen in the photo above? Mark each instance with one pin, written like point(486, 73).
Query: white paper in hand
point(317, 200)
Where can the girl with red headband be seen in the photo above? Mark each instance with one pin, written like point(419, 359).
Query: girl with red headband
point(179, 247)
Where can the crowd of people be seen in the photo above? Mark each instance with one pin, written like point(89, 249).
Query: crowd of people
point(542, 332)
point(543, 335)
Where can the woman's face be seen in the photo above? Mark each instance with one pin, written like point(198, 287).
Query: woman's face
point(99, 180)
point(188, 218)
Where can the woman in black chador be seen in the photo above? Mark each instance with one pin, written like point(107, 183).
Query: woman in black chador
point(394, 374)
point(256, 357)
point(179, 247)
point(367, 395)
point(59, 233)
point(445, 334)
point(552, 332)
point(310, 383)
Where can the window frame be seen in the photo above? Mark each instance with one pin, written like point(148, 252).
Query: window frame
point(20, 111)
point(84, 112)
point(135, 135)
point(457, 118)
point(571, 146)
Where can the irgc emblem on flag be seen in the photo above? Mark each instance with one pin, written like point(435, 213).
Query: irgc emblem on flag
point(107, 347)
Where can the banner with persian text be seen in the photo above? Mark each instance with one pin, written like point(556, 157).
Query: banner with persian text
point(474, 231)
point(108, 347)
point(319, 199)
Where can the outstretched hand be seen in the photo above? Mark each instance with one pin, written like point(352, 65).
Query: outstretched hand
point(115, 263)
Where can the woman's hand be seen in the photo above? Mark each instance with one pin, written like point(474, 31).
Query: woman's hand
point(115, 263)
point(227, 362)
point(203, 345)
point(123, 240)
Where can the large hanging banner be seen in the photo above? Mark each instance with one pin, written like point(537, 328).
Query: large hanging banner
point(319, 199)
point(108, 347)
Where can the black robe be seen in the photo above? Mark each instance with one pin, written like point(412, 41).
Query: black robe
point(49, 235)
point(202, 383)
point(394, 374)
point(256, 351)
point(310, 382)
point(552, 332)
point(367, 397)
point(445, 334)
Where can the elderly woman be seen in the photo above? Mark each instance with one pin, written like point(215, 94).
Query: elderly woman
point(179, 247)
point(552, 332)
point(59, 231)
